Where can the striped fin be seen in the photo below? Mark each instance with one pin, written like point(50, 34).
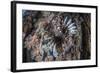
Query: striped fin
point(73, 31)
point(66, 18)
point(71, 25)
point(69, 21)
point(72, 28)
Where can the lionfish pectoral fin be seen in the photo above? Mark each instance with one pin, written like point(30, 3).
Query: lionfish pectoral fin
point(65, 21)
point(69, 22)
point(71, 25)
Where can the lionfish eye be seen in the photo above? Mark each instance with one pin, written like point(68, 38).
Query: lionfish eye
point(58, 27)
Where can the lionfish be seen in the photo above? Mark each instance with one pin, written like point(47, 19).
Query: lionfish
point(58, 42)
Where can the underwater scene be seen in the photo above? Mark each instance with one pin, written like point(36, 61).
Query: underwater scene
point(55, 36)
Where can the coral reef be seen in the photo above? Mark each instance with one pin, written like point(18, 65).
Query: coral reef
point(55, 36)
